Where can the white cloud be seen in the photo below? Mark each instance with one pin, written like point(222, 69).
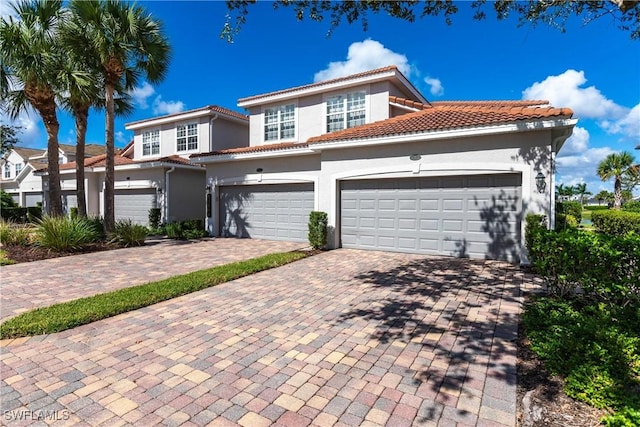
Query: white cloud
point(577, 142)
point(628, 125)
point(120, 138)
point(30, 133)
point(435, 85)
point(166, 107)
point(565, 90)
point(363, 56)
point(141, 95)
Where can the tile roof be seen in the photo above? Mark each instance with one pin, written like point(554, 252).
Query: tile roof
point(439, 116)
point(100, 161)
point(322, 83)
point(25, 152)
point(453, 115)
point(214, 108)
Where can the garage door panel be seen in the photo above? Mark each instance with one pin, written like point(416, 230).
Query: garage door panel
point(134, 204)
point(278, 212)
point(463, 216)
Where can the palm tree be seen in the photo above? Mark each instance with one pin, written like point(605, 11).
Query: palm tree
point(30, 65)
point(128, 43)
point(604, 196)
point(581, 190)
point(565, 193)
point(617, 166)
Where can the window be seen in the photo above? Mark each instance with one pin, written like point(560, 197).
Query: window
point(187, 137)
point(7, 170)
point(60, 160)
point(280, 123)
point(151, 143)
point(345, 111)
point(18, 168)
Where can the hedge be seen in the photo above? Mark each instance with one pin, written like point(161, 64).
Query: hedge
point(21, 215)
point(601, 266)
point(616, 222)
point(631, 206)
point(570, 208)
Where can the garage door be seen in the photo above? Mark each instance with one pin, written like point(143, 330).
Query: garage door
point(466, 216)
point(134, 204)
point(32, 199)
point(274, 212)
point(69, 200)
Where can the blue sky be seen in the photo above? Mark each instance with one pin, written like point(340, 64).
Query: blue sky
point(593, 69)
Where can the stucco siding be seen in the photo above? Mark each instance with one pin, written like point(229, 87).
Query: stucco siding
point(228, 134)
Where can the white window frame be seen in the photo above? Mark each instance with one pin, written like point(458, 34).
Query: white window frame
point(345, 110)
point(18, 168)
point(7, 170)
point(280, 109)
point(150, 143)
point(187, 136)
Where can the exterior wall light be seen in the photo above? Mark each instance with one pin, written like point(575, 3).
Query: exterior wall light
point(541, 184)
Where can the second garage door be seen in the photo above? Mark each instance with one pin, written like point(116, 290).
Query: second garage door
point(274, 212)
point(134, 204)
point(467, 216)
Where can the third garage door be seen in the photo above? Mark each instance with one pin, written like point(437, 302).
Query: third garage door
point(475, 216)
point(274, 212)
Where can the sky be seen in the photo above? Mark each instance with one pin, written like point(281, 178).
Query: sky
point(593, 68)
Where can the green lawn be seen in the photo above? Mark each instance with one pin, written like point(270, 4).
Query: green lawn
point(63, 316)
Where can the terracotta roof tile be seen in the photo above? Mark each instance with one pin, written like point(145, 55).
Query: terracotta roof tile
point(99, 161)
point(322, 83)
point(408, 102)
point(253, 149)
point(214, 108)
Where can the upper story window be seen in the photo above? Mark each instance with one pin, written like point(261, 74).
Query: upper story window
point(280, 123)
point(7, 170)
point(345, 111)
point(151, 143)
point(18, 168)
point(187, 137)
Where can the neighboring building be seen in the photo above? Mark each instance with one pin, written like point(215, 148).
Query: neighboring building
point(154, 170)
point(393, 171)
point(20, 165)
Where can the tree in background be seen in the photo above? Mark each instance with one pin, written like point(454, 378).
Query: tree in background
point(625, 13)
point(617, 166)
point(8, 137)
point(128, 43)
point(581, 191)
point(565, 193)
point(30, 65)
point(604, 196)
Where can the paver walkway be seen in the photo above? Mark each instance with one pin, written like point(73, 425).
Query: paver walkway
point(347, 337)
point(38, 284)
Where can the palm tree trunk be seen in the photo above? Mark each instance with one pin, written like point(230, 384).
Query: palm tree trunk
point(53, 157)
point(82, 116)
point(617, 193)
point(109, 184)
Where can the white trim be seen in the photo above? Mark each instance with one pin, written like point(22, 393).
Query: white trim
point(367, 103)
point(404, 107)
point(167, 119)
point(138, 184)
point(187, 151)
point(151, 153)
point(296, 114)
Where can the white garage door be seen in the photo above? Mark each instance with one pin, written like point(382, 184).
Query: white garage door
point(274, 212)
point(474, 216)
point(32, 199)
point(69, 200)
point(134, 204)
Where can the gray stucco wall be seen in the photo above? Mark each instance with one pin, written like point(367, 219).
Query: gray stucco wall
point(186, 195)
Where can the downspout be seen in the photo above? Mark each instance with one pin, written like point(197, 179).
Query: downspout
point(166, 194)
point(213, 119)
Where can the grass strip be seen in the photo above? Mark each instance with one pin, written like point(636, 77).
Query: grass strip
point(4, 259)
point(70, 314)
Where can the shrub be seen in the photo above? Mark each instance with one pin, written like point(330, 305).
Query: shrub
point(63, 234)
point(97, 224)
point(606, 267)
point(616, 222)
point(565, 221)
point(11, 234)
point(174, 230)
point(534, 224)
point(570, 208)
point(631, 206)
point(317, 229)
point(6, 201)
point(126, 233)
point(15, 214)
point(154, 218)
point(34, 213)
point(73, 212)
point(595, 347)
point(596, 208)
point(188, 229)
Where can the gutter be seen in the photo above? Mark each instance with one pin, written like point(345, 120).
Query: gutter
point(213, 119)
point(166, 193)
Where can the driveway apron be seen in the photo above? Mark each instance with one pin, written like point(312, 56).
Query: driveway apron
point(345, 337)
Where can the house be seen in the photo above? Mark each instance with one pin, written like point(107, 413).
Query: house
point(20, 166)
point(154, 170)
point(392, 170)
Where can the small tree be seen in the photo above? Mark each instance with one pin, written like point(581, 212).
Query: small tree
point(317, 229)
point(617, 166)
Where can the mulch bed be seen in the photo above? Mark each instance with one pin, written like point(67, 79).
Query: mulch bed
point(20, 253)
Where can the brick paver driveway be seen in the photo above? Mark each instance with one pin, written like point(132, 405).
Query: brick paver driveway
point(37, 284)
point(342, 338)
